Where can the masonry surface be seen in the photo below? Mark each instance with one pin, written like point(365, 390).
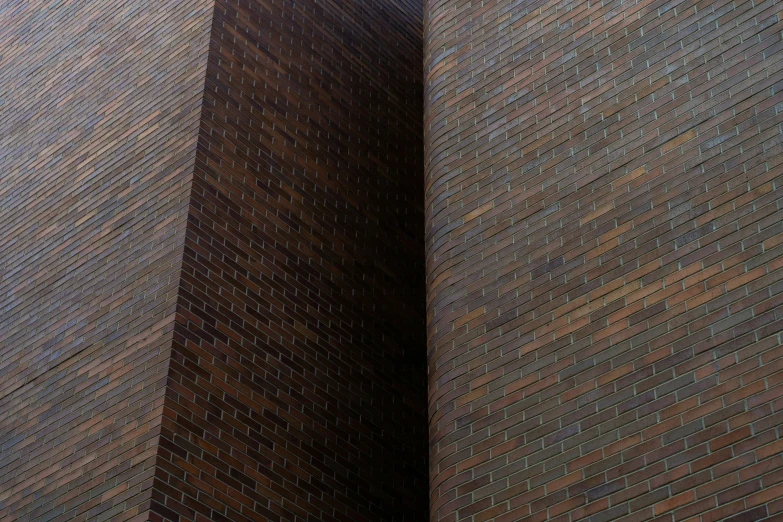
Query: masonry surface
point(99, 119)
point(604, 260)
point(257, 258)
point(297, 386)
point(211, 267)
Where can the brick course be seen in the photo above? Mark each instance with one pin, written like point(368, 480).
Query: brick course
point(604, 271)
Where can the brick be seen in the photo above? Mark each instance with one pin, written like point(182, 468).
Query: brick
point(674, 502)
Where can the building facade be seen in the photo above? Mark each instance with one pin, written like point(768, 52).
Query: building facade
point(604, 260)
point(213, 261)
point(368, 260)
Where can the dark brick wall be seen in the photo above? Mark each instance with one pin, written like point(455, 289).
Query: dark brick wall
point(212, 261)
point(604, 259)
point(298, 387)
point(99, 111)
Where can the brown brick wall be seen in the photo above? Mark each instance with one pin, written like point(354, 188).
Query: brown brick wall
point(212, 262)
point(298, 382)
point(604, 260)
point(99, 111)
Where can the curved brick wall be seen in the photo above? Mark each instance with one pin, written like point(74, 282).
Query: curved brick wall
point(604, 260)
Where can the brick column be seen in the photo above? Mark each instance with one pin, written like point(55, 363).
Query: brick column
point(604, 260)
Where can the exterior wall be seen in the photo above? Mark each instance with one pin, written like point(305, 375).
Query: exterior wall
point(297, 386)
point(212, 278)
point(99, 111)
point(604, 259)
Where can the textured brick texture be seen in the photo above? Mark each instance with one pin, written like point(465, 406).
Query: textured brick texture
point(99, 119)
point(212, 260)
point(604, 260)
point(212, 264)
point(298, 383)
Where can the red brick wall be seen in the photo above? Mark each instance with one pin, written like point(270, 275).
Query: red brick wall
point(604, 260)
point(99, 111)
point(297, 385)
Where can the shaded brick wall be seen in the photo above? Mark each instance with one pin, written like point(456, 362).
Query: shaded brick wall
point(604, 260)
point(99, 111)
point(297, 385)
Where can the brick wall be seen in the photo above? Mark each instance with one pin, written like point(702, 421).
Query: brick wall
point(211, 262)
point(297, 386)
point(604, 260)
point(99, 111)
point(212, 276)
